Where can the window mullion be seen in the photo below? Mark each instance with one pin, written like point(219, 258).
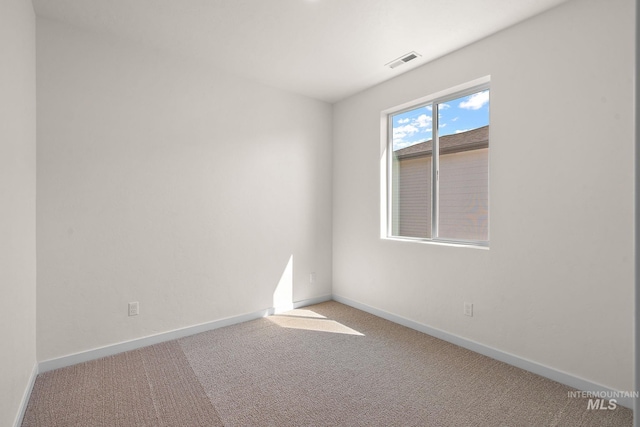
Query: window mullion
point(435, 166)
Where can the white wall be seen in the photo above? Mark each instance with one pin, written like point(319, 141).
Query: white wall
point(17, 205)
point(556, 285)
point(168, 183)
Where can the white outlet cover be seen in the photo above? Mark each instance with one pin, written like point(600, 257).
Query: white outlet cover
point(134, 309)
point(468, 309)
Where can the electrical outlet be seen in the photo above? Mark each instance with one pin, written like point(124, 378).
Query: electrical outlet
point(134, 308)
point(468, 309)
point(312, 278)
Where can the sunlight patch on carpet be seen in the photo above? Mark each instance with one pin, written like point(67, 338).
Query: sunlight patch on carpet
point(300, 312)
point(293, 321)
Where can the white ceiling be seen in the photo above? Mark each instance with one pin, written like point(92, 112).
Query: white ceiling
point(325, 49)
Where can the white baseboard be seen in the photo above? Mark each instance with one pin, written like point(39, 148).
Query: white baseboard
point(312, 301)
point(25, 396)
point(527, 365)
point(298, 304)
point(110, 350)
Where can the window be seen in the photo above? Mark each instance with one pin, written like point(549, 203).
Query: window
point(438, 169)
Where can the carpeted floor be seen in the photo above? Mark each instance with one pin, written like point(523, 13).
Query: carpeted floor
point(324, 365)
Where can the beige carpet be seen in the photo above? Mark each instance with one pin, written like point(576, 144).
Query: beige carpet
point(325, 365)
point(153, 386)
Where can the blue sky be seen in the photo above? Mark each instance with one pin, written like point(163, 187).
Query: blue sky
point(455, 116)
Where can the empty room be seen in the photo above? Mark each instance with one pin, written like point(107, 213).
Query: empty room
point(318, 213)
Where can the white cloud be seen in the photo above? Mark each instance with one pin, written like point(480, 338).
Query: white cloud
point(443, 106)
point(404, 134)
point(475, 101)
point(402, 131)
point(443, 125)
point(455, 119)
point(462, 130)
point(423, 121)
point(406, 129)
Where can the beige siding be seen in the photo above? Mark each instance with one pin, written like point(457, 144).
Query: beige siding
point(412, 198)
point(464, 195)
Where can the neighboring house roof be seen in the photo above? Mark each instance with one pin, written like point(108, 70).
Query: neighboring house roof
point(464, 141)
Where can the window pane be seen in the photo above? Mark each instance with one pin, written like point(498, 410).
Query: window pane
point(411, 173)
point(463, 185)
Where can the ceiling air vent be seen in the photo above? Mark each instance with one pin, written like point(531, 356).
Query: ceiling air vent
point(403, 59)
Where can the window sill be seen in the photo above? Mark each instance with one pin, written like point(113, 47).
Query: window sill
point(473, 245)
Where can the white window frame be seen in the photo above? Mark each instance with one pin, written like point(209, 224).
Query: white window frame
point(387, 169)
